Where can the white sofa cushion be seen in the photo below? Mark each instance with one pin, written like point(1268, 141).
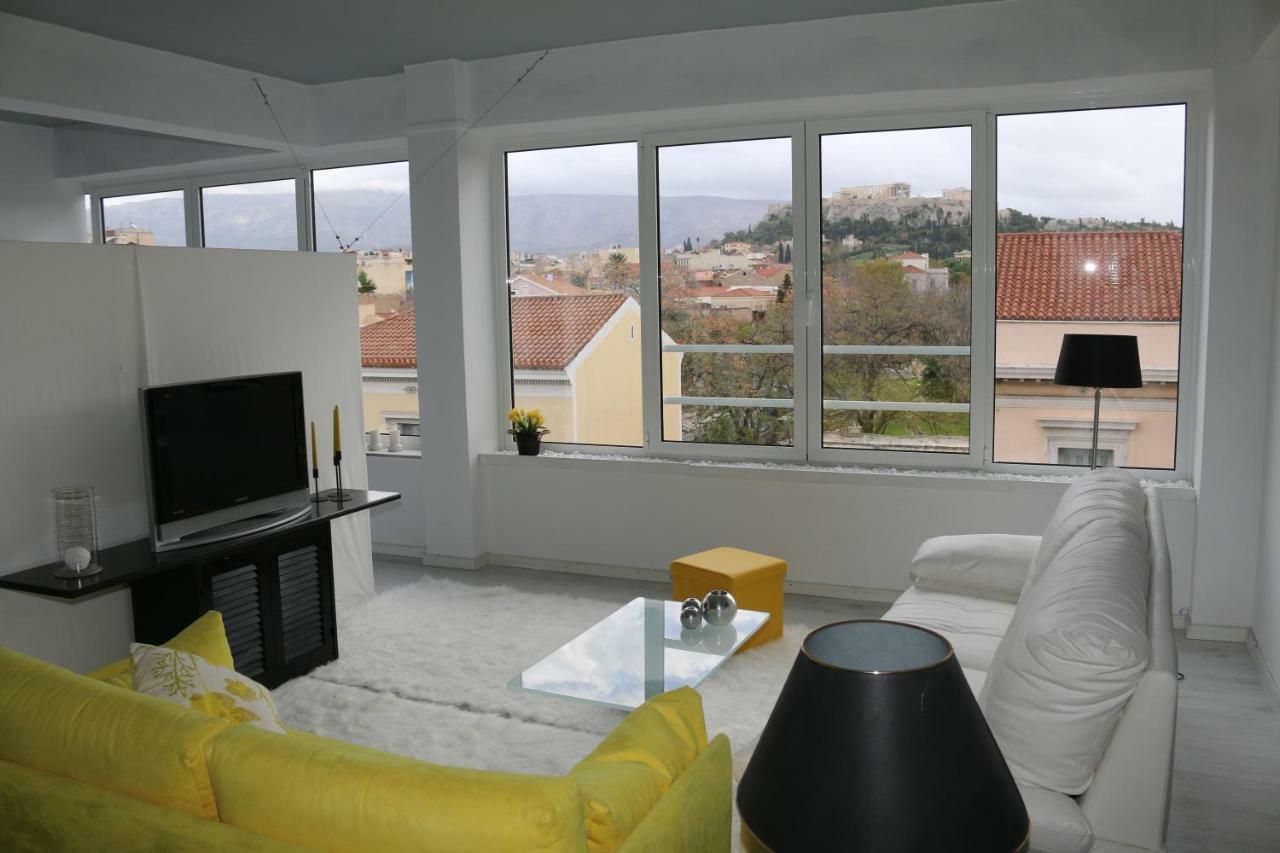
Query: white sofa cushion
point(973, 626)
point(1057, 823)
point(986, 565)
point(1109, 494)
point(1073, 654)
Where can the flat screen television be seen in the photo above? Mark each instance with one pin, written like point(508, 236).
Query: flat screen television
point(225, 457)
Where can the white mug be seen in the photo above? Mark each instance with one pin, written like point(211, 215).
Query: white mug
point(393, 440)
point(374, 439)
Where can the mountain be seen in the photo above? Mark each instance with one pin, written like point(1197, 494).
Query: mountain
point(539, 223)
point(566, 223)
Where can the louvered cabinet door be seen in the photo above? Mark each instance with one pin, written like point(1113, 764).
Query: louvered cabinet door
point(237, 594)
point(305, 611)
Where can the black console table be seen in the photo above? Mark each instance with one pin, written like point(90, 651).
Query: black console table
point(273, 588)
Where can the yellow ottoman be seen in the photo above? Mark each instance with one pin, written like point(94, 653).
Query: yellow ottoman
point(754, 580)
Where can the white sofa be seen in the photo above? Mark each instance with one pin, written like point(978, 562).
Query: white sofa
point(1067, 641)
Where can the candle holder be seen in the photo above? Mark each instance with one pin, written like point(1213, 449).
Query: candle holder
point(338, 495)
point(316, 497)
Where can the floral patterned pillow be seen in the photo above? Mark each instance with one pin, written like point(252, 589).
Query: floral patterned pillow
point(191, 681)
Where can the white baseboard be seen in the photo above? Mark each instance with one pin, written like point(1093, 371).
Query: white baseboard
point(1220, 633)
point(446, 561)
point(823, 590)
point(387, 549)
point(1264, 671)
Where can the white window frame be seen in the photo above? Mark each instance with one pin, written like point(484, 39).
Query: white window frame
point(981, 112)
point(981, 348)
point(651, 309)
point(301, 197)
point(98, 194)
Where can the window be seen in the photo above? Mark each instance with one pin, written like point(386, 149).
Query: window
point(897, 248)
point(1080, 456)
point(726, 291)
point(1089, 239)
point(147, 219)
point(573, 281)
point(257, 215)
point(365, 210)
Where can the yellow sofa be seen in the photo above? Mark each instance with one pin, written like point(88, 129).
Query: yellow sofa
point(88, 766)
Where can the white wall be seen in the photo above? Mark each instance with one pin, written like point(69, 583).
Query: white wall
point(1266, 600)
point(84, 326)
point(841, 533)
point(398, 528)
point(34, 206)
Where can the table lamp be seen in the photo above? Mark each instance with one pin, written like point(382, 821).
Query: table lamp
point(877, 744)
point(1097, 362)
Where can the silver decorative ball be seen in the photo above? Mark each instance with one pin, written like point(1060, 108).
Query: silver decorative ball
point(77, 558)
point(691, 616)
point(719, 607)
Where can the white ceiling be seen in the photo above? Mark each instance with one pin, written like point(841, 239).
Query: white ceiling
point(326, 40)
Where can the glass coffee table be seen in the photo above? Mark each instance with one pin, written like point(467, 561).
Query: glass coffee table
point(635, 653)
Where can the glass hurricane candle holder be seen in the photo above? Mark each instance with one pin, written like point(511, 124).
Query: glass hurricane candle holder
point(75, 518)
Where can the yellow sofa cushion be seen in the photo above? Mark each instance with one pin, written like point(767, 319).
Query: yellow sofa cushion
point(696, 814)
point(322, 793)
point(635, 765)
point(46, 813)
point(192, 682)
point(205, 637)
point(62, 723)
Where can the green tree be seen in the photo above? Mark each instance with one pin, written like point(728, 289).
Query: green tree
point(784, 289)
point(364, 284)
point(688, 244)
point(618, 275)
point(786, 256)
point(781, 254)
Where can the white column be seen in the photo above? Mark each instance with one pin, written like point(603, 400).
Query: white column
point(1235, 342)
point(454, 297)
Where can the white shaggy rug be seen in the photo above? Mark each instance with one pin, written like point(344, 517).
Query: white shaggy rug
point(423, 673)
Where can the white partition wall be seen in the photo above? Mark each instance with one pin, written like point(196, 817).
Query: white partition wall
point(83, 328)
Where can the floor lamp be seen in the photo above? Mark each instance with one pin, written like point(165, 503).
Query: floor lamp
point(1097, 362)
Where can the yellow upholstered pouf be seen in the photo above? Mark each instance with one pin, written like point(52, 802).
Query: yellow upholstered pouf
point(754, 580)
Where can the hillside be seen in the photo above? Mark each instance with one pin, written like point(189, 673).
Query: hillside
point(539, 223)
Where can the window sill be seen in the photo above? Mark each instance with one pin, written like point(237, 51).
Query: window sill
point(395, 454)
point(932, 478)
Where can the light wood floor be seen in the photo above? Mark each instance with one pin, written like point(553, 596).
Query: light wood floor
point(1226, 775)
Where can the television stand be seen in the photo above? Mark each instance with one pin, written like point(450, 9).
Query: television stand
point(273, 587)
point(240, 527)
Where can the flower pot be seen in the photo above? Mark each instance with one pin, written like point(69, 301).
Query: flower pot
point(529, 445)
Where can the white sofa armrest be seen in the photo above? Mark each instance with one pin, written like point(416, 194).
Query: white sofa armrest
point(984, 565)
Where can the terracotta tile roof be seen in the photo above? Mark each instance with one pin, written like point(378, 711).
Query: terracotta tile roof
point(548, 331)
point(1089, 275)
point(392, 342)
point(728, 293)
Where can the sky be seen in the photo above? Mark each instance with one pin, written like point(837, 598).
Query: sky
point(1118, 163)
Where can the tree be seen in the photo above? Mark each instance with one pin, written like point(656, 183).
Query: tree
point(784, 289)
point(786, 259)
point(364, 284)
point(781, 254)
point(617, 274)
point(688, 244)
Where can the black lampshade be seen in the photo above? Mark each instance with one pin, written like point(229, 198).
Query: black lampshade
point(877, 744)
point(1099, 361)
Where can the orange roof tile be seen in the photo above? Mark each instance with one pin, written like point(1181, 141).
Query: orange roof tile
point(548, 331)
point(1089, 275)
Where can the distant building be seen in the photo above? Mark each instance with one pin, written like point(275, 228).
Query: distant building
point(1108, 282)
point(546, 284)
point(851, 243)
point(129, 235)
point(711, 260)
point(920, 276)
point(962, 255)
point(574, 357)
point(961, 194)
point(391, 270)
point(735, 247)
point(897, 189)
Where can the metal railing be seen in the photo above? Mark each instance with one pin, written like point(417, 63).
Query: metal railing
point(827, 349)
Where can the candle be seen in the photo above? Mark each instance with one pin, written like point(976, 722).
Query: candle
point(337, 433)
point(315, 453)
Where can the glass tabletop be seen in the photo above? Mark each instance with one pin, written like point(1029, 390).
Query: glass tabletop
point(635, 653)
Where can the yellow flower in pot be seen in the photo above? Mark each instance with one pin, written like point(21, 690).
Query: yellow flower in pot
point(528, 428)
